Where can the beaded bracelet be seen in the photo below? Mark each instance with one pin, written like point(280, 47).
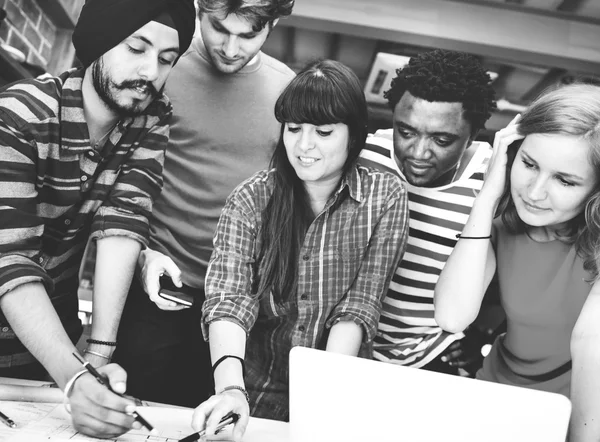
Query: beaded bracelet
point(96, 341)
point(236, 387)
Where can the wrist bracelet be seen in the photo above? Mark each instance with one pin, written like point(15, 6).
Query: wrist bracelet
point(221, 359)
point(237, 387)
point(96, 341)
point(95, 353)
point(458, 235)
point(69, 387)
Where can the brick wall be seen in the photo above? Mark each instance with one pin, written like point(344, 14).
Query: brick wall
point(27, 28)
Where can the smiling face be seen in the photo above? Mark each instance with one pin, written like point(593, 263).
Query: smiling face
point(429, 139)
point(132, 74)
point(317, 153)
point(230, 41)
point(551, 180)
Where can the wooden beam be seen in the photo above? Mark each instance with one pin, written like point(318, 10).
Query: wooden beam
point(506, 34)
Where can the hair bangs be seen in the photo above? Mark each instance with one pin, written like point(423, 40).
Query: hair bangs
point(313, 99)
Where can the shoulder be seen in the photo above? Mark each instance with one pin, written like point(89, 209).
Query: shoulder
point(379, 152)
point(259, 185)
point(276, 68)
point(380, 183)
point(32, 100)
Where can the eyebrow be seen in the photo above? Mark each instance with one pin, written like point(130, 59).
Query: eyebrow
point(562, 174)
point(439, 134)
point(217, 24)
point(149, 43)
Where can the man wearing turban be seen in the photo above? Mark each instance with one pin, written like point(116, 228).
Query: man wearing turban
point(81, 158)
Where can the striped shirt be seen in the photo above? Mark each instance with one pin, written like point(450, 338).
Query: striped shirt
point(56, 191)
point(345, 265)
point(408, 333)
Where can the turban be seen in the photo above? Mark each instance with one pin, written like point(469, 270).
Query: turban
point(103, 24)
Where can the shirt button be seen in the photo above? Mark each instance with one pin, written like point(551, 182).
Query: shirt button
point(306, 257)
point(67, 222)
point(83, 178)
point(41, 259)
point(303, 296)
point(5, 329)
point(91, 153)
point(302, 328)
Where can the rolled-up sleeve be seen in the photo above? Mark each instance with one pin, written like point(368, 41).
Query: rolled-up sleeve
point(129, 204)
point(21, 228)
point(230, 275)
point(362, 303)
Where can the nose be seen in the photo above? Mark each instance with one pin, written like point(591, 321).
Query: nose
point(149, 69)
point(231, 46)
point(536, 191)
point(306, 141)
point(420, 149)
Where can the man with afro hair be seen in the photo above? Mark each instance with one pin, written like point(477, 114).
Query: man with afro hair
point(440, 101)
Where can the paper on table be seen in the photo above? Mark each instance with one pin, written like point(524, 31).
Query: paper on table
point(22, 413)
point(172, 425)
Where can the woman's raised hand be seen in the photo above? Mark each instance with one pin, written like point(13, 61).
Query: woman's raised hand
point(495, 177)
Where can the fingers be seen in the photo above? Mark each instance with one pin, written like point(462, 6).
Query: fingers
point(209, 414)
point(98, 412)
point(155, 265)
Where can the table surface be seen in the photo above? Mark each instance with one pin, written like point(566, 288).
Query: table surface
point(37, 409)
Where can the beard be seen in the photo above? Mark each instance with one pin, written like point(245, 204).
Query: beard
point(108, 91)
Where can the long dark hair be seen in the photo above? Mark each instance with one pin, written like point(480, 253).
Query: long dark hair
point(569, 110)
point(324, 92)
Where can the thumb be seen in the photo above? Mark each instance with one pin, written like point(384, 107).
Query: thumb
point(117, 377)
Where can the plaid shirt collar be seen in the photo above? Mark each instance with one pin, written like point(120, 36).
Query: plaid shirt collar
point(351, 180)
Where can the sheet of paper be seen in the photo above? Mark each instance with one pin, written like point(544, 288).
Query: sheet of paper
point(23, 413)
point(172, 424)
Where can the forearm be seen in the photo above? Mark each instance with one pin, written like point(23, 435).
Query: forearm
point(585, 374)
point(345, 337)
point(227, 338)
point(116, 259)
point(469, 269)
point(34, 320)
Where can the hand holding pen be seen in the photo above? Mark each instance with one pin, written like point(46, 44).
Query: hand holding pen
point(97, 409)
point(229, 418)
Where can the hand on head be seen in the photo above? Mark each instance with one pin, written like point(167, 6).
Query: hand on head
point(495, 178)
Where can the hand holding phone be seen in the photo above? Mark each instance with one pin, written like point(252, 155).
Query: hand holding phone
point(180, 295)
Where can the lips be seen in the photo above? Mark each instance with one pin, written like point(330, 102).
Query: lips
point(417, 168)
point(307, 161)
point(533, 207)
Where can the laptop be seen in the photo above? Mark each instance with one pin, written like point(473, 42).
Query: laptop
point(342, 398)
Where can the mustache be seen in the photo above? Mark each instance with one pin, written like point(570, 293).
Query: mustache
point(132, 84)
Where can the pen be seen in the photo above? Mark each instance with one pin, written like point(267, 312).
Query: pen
point(7, 420)
point(104, 381)
point(229, 418)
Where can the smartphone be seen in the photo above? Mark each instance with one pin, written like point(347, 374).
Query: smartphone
point(180, 295)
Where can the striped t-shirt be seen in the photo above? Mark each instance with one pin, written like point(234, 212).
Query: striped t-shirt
point(56, 191)
point(408, 333)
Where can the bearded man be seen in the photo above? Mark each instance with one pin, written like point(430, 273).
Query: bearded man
point(81, 159)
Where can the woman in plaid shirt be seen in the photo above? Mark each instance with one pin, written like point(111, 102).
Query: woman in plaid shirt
point(303, 253)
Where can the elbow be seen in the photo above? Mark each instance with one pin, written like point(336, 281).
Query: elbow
point(450, 320)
